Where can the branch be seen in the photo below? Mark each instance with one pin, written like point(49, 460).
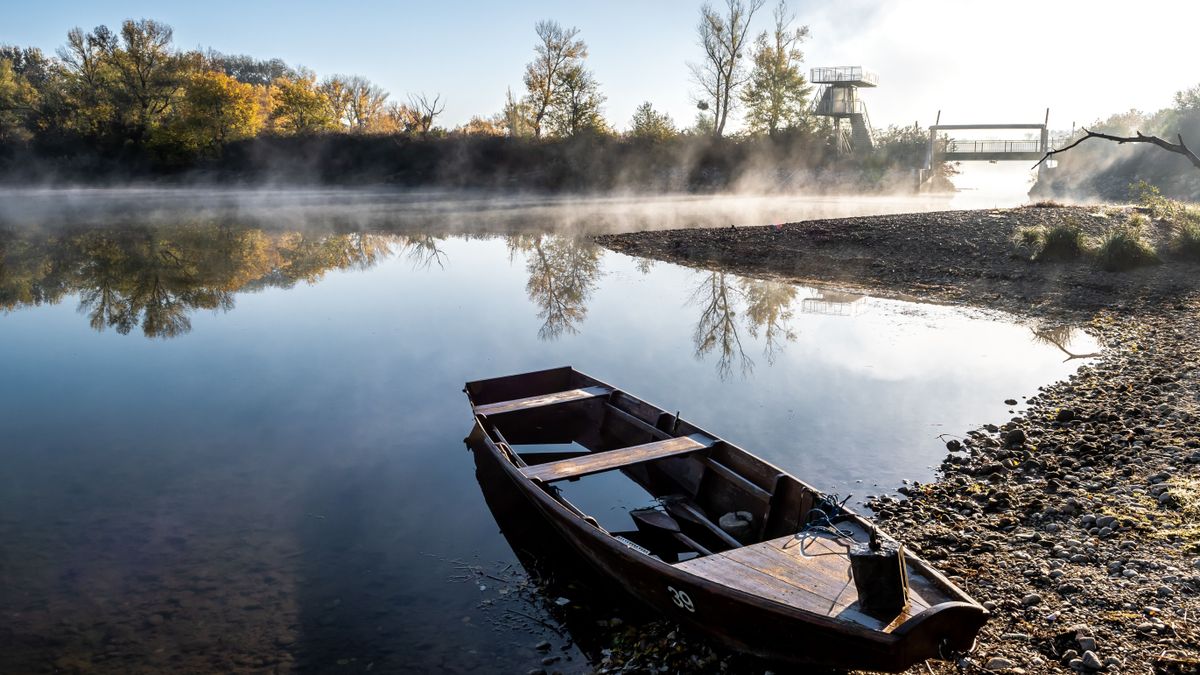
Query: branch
point(1177, 148)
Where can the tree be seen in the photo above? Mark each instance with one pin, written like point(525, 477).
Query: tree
point(147, 74)
point(479, 125)
point(298, 107)
point(424, 112)
point(482, 126)
point(556, 51)
point(18, 103)
point(214, 110)
point(720, 74)
point(649, 124)
point(88, 76)
point(776, 95)
point(1188, 99)
point(333, 89)
point(517, 120)
point(1179, 148)
point(366, 103)
point(248, 69)
point(577, 103)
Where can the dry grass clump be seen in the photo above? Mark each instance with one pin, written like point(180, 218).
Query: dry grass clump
point(1125, 246)
point(1060, 242)
point(1185, 493)
point(1182, 220)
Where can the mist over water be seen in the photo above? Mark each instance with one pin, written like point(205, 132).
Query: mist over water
point(458, 211)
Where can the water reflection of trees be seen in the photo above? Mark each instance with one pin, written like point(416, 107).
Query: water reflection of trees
point(563, 272)
point(767, 313)
point(156, 277)
point(1059, 336)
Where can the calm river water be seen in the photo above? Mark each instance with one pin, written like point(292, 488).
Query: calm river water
point(231, 427)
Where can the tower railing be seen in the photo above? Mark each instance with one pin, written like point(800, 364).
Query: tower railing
point(833, 74)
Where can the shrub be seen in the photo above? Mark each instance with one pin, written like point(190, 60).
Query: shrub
point(1047, 204)
point(1064, 241)
point(1185, 240)
point(1029, 239)
point(1124, 247)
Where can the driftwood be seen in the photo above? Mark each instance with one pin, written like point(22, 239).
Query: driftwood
point(1177, 148)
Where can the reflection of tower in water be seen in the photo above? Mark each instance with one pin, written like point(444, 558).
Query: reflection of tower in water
point(833, 303)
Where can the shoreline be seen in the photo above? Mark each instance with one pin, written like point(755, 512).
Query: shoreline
point(1076, 520)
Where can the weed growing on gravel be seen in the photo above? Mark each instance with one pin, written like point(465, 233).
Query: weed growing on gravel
point(1185, 241)
point(1125, 247)
point(1029, 239)
point(1060, 242)
point(1064, 241)
point(1186, 494)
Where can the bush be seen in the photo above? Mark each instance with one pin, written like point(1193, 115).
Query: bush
point(1185, 241)
point(1064, 241)
point(1124, 247)
point(1029, 239)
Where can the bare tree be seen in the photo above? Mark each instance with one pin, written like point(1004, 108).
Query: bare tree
point(720, 74)
point(1178, 148)
point(366, 102)
point(557, 49)
point(426, 111)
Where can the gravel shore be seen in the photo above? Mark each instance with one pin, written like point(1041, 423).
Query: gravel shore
point(1075, 521)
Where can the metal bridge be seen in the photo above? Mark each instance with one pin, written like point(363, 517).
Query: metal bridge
point(989, 150)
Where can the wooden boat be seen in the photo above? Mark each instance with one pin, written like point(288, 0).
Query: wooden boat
point(774, 581)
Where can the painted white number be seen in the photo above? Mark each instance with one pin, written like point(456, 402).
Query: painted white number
point(681, 599)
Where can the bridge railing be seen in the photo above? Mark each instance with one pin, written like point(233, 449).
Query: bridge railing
point(993, 146)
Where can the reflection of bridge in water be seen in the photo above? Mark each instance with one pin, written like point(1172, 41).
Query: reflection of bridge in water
point(945, 148)
point(835, 303)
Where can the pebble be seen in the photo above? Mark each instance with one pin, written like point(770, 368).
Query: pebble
point(1031, 600)
point(998, 663)
point(1090, 660)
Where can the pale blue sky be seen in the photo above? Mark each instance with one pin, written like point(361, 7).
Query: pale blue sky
point(976, 60)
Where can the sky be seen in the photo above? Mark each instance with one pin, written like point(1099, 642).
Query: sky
point(976, 61)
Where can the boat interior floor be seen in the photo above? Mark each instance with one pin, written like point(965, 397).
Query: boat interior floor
point(809, 572)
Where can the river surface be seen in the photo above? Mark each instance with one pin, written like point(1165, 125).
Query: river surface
point(231, 425)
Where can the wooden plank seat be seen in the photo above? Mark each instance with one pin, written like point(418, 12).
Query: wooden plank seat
point(608, 460)
point(556, 398)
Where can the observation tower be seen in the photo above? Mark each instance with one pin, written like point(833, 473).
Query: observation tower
point(838, 98)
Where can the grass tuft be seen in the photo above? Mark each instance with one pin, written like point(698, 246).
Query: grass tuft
point(1064, 241)
point(1185, 240)
point(1125, 247)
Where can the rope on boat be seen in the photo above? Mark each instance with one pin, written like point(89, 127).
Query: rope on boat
point(823, 518)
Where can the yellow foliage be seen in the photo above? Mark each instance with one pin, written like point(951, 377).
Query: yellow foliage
point(213, 110)
point(299, 107)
